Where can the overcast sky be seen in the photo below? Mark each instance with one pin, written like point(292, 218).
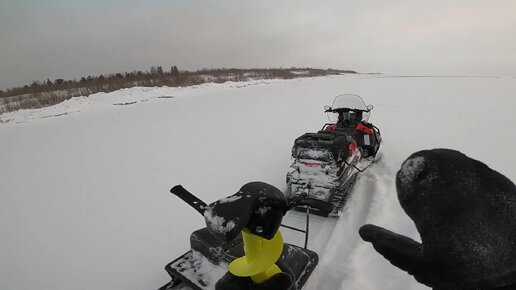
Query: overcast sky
point(42, 39)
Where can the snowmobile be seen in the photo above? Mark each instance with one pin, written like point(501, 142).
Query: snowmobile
point(326, 163)
point(241, 246)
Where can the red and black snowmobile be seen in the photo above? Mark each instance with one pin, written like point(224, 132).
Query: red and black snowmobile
point(326, 163)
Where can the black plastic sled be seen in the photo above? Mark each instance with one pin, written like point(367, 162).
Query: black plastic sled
point(256, 209)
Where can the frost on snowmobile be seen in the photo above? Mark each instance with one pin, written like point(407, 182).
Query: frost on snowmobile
point(241, 235)
point(326, 163)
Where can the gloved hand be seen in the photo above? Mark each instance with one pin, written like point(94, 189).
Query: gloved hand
point(465, 213)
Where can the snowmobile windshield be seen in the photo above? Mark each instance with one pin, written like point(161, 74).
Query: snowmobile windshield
point(348, 101)
point(315, 154)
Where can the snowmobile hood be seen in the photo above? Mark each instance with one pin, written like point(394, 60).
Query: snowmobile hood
point(257, 206)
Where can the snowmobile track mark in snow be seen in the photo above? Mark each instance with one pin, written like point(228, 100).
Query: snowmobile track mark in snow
point(340, 246)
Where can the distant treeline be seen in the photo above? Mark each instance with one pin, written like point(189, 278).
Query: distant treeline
point(46, 93)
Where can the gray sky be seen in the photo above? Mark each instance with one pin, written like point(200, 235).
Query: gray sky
point(42, 39)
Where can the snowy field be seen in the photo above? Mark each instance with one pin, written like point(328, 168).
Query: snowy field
point(84, 185)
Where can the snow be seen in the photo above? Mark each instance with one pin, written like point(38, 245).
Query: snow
point(411, 168)
point(230, 199)
point(200, 270)
point(300, 72)
point(85, 201)
point(315, 154)
point(263, 210)
point(316, 174)
point(218, 223)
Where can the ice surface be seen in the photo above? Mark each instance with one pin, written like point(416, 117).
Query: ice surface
point(85, 201)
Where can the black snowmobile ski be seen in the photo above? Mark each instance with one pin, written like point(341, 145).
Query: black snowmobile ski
point(258, 208)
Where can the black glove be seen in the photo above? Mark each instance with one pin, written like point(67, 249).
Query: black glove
point(465, 213)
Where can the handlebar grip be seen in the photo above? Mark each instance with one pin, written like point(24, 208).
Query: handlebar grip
point(189, 198)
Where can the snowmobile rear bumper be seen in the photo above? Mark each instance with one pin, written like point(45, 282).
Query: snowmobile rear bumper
point(302, 191)
point(334, 195)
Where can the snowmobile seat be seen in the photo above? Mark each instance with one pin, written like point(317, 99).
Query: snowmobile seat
point(338, 132)
point(324, 131)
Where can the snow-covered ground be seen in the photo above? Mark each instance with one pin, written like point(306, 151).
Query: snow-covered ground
point(84, 185)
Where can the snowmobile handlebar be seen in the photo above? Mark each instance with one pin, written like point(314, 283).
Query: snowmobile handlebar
point(345, 110)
